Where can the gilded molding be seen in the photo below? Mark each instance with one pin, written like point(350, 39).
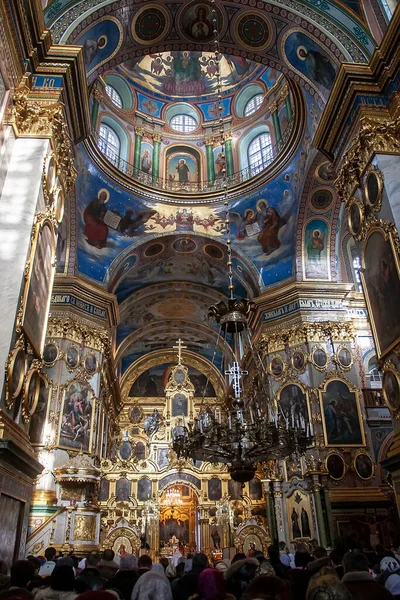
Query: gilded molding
point(374, 136)
point(45, 118)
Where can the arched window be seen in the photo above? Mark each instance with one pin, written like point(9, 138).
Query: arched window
point(109, 143)
point(260, 153)
point(253, 104)
point(356, 266)
point(114, 96)
point(374, 374)
point(183, 123)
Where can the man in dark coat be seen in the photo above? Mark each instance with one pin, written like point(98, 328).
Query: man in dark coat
point(359, 582)
point(186, 586)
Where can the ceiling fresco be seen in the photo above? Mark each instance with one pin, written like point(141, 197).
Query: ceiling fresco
point(166, 262)
point(189, 75)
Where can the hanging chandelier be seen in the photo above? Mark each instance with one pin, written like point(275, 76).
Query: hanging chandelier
point(172, 497)
point(250, 428)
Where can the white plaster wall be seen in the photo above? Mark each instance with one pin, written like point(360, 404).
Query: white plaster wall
point(21, 190)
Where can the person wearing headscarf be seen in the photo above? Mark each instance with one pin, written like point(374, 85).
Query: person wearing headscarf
point(124, 580)
point(186, 586)
point(211, 586)
point(62, 585)
point(153, 584)
point(390, 569)
point(239, 575)
point(223, 565)
point(268, 587)
point(170, 572)
point(358, 580)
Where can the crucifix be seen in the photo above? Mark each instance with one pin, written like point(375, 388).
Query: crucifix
point(179, 347)
point(235, 374)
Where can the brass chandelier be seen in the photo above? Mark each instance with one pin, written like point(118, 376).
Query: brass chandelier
point(250, 428)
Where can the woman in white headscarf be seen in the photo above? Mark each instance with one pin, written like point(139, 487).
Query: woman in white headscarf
point(153, 584)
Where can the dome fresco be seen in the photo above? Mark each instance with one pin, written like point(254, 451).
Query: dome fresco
point(191, 75)
point(143, 219)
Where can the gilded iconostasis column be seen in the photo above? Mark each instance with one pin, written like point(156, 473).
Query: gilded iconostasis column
point(364, 147)
point(73, 419)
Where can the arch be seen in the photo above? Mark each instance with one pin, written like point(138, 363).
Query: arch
point(248, 138)
point(183, 164)
point(123, 89)
point(181, 108)
point(121, 133)
point(245, 95)
point(159, 357)
point(180, 478)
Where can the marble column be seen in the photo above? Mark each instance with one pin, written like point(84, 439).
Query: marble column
point(276, 123)
point(210, 163)
point(23, 192)
point(271, 515)
point(156, 157)
point(138, 149)
point(280, 513)
point(329, 517)
point(320, 516)
point(230, 169)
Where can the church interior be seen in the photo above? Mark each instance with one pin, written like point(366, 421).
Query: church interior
point(200, 341)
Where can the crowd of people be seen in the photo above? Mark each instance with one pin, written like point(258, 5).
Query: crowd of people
point(351, 575)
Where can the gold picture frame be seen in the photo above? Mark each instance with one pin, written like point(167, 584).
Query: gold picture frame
point(31, 393)
point(289, 384)
point(391, 372)
point(328, 458)
point(91, 357)
point(356, 218)
point(50, 172)
point(274, 372)
point(316, 364)
point(381, 293)
point(59, 204)
point(340, 349)
point(342, 424)
point(37, 292)
point(297, 365)
point(378, 175)
point(360, 468)
point(69, 423)
point(51, 360)
point(18, 353)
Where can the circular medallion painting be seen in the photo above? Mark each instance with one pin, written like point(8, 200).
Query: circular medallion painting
point(213, 251)
point(363, 466)
point(277, 366)
point(150, 24)
point(16, 372)
point(199, 20)
point(391, 389)
point(154, 249)
point(373, 190)
point(344, 357)
point(50, 354)
point(325, 172)
point(253, 31)
point(335, 466)
point(184, 245)
point(356, 217)
point(321, 199)
point(51, 173)
point(31, 392)
point(59, 203)
point(320, 358)
point(298, 360)
point(90, 363)
point(72, 357)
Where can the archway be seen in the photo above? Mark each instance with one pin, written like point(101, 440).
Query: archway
point(178, 519)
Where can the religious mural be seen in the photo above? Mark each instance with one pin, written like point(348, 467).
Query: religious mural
point(315, 251)
point(341, 415)
point(100, 42)
point(188, 73)
point(76, 417)
point(152, 383)
point(308, 58)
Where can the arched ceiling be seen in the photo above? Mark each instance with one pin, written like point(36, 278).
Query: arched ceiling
point(165, 274)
